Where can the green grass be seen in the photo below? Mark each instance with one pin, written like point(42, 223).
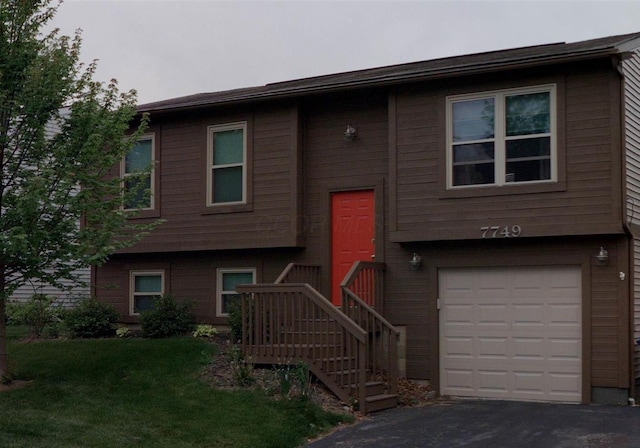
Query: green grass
point(142, 393)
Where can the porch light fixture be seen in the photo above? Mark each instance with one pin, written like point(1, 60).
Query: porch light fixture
point(602, 259)
point(350, 133)
point(416, 262)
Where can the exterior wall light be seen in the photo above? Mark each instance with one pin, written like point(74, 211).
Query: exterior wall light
point(602, 259)
point(416, 262)
point(350, 133)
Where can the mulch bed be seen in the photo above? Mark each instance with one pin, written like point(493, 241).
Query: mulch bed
point(220, 374)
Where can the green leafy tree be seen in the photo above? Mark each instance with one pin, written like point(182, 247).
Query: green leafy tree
point(61, 135)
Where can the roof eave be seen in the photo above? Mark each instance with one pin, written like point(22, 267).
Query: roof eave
point(420, 75)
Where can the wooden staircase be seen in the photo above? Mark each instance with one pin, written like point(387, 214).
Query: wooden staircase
point(351, 349)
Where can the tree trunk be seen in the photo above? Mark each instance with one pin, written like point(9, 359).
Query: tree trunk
point(3, 328)
point(3, 340)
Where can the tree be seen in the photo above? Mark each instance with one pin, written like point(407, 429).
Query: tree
point(61, 135)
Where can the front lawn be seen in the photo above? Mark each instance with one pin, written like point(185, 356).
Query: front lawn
point(142, 393)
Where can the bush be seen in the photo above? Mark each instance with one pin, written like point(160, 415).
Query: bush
point(205, 331)
point(241, 369)
point(40, 312)
point(168, 318)
point(234, 320)
point(91, 319)
point(123, 332)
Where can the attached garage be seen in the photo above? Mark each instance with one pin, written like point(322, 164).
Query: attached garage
point(511, 332)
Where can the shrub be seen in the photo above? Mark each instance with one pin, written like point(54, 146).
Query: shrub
point(205, 331)
point(294, 380)
point(241, 369)
point(123, 332)
point(167, 318)
point(40, 312)
point(91, 319)
point(234, 320)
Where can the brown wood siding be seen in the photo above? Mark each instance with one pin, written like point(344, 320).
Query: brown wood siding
point(188, 277)
point(411, 299)
point(586, 200)
point(333, 164)
point(269, 218)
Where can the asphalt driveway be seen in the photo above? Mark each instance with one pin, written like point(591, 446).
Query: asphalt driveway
point(495, 424)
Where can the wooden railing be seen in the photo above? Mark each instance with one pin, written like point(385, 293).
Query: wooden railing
point(362, 291)
point(366, 280)
point(292, 321)
point(300, 273)
point(382, 347)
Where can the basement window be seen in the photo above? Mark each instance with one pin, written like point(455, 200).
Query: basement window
point(227, 281)
point(145, 288)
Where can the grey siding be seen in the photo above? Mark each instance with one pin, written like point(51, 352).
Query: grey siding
point(67, 297)
point(631, 69)
point(636, 308)
point(632, 135)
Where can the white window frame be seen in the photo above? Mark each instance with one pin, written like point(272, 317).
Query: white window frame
point(211, 130)
point(152, 173)
point(132, 286)
point(500, 138)
point(219, 284)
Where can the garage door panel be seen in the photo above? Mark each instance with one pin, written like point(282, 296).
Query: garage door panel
point(460, 313)
point(492, 347)
point(492, 380)
point(530, 314)
point(564, 384)
point(514, 333)
point(565, 314)
point(459, 346)
point(565, 350)
point(460, 380)
point(528, 348)
point(492, 313)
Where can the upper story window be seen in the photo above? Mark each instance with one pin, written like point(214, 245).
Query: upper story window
point(226, 164)
point(145, 288)
point(502, 137)
point(138, 174)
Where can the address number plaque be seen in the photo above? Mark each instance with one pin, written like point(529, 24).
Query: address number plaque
point(501, 231)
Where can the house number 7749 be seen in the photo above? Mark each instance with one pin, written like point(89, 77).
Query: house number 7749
point(501, 232)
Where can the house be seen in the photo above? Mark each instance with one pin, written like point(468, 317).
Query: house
point(497, 195)
point(71, 291)
point(65, 297)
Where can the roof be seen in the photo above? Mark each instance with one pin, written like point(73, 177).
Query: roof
point(424, 70)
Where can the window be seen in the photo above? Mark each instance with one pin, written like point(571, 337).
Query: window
point(227, 280)
point(226, 164)
point(145, 288)
point(138, 175)
point(504, 137)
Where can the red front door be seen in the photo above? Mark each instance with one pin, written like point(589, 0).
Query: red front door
point(352, 234)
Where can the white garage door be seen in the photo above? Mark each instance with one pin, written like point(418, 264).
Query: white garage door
point(511, 333)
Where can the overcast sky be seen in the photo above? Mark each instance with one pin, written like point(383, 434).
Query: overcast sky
point(166, 49)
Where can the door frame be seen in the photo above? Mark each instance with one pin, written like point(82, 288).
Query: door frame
point(369, 196)
point(458, 259)
point(577, 269)
point(374, 183)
